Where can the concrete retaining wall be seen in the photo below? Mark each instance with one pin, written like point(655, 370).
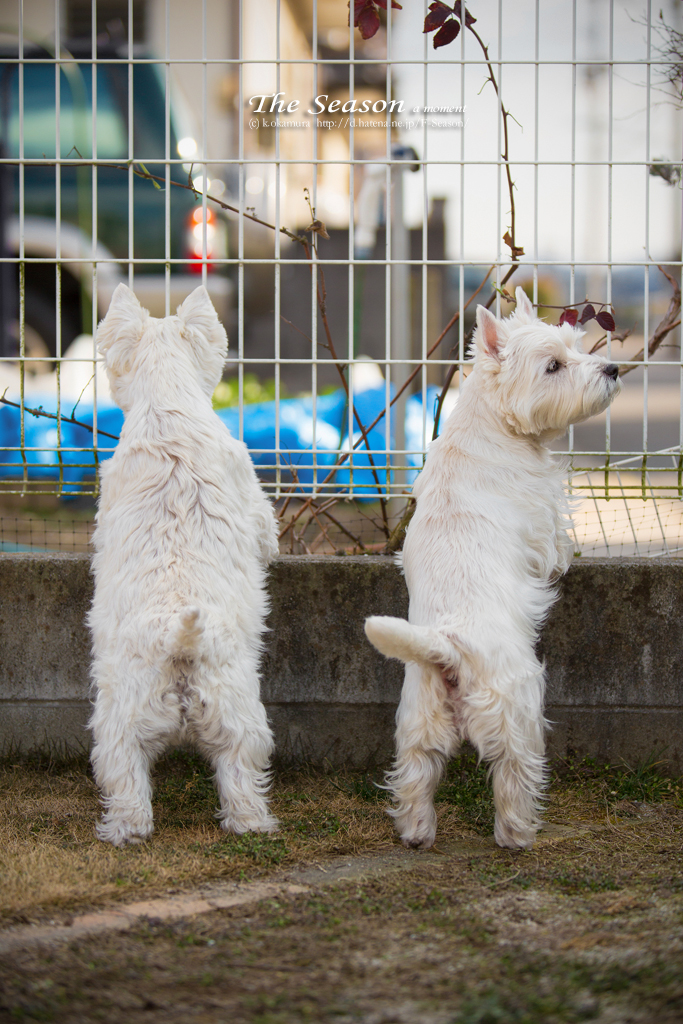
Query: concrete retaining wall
point(613, 647)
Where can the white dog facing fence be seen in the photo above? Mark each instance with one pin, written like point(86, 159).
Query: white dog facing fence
point(184, 535)
point(488, 536)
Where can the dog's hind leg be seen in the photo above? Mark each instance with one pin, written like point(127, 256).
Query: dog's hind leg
point(231, 729)
point(129, 733)
point(508, 731)
point(427, 734)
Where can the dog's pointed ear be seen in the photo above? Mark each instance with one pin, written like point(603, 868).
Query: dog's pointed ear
point(524, 307)
point(121, 329)
point(197, 311)
point(125, 302)
point(206, 336)
point(489, 336)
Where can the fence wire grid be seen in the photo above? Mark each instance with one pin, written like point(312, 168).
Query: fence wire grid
point(347, 194)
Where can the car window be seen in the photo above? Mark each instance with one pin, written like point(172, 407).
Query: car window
point(75, 108)
point(149, 112)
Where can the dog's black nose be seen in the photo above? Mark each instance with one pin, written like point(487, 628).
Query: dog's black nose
point(611, 370)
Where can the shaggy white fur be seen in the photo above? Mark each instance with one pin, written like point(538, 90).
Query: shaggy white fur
point(488, 536)
point(184, 535)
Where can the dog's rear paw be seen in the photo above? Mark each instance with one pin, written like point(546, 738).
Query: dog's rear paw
point(417, 832)
point(414, 843)
point(238, 824)
point(512, 837)
point(122, 833)
point(270, 826)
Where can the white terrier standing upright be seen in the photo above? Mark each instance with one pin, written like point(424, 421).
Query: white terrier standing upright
point(184, 535)
point(488, 535)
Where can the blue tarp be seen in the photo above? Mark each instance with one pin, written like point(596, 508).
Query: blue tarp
point(297, 432)
point(41, 434)
point(368, 405)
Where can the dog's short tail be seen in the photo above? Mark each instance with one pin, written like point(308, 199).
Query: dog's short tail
point(185, 632)
point(396, 638)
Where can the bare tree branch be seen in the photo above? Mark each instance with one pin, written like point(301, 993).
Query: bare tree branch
point(669, 321)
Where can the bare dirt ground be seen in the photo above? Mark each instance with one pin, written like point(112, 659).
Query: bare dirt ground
point(588, 926)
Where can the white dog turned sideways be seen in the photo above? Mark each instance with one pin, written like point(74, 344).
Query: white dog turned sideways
point(184, 535)
point(488, 537)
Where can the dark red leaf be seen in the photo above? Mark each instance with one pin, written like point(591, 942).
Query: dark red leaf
point(436, 18)
point(588, 314)
point(368, 21)
point(569, 316)
point(606, 320)
point(358, 6)
point(447, 33)
point(469, 20)
point(383, 5)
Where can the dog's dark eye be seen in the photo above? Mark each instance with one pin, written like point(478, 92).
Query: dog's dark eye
point(553, 366)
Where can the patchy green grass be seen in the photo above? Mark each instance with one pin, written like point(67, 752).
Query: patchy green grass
point(646, 782)
point(466, 786)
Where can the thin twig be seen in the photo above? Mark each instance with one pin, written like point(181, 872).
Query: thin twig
point(300, 540)
point(503, 881)
point(572, 305)
point(54, 416)
point(509, 237)
point(356, 540)
point(190, 188)
point(516, 250)
point(395, 542)
point(302, 333)
point(319, 539)
point(456, 316)
point(601, 342)
point(454, 368)
point(408, 381)
point(321, 296)
point(323, 532)
point(73, 411)
point(669, 321)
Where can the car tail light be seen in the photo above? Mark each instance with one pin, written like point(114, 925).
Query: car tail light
point(194, 239)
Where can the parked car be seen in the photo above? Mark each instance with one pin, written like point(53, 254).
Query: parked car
point(123, 229)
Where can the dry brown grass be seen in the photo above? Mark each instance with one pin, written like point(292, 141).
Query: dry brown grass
point(51, 864)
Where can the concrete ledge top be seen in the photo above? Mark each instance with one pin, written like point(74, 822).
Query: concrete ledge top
point(369, 559)
point(613, 644)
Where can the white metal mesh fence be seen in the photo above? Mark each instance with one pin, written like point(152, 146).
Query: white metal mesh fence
point(347, 195)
